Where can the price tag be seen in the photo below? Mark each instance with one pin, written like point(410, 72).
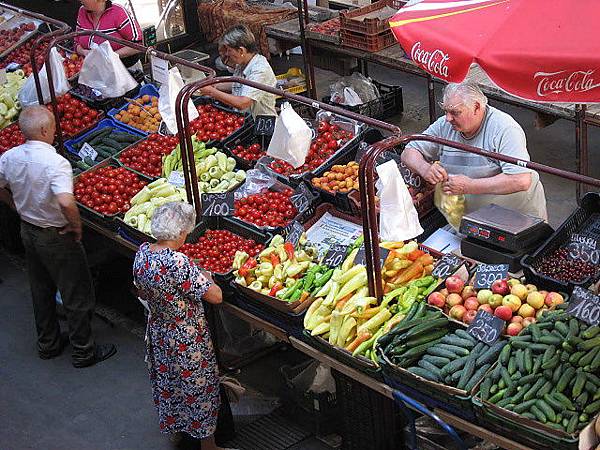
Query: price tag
point(218, 204)
point(584, 248)
point(163, 129)
point(488, 273)
point(585, 305)
point(160, 69)
point(301, 199)
point(335, 255)
point(176, 178)
point(486, 327)
point(264, 125)
point(446, 266)
point(87, 151)
point(410, 178)
point(294, 232)
point(361, 257)
point(3, 79)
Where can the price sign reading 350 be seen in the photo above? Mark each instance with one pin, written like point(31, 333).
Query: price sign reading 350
point(218, 204)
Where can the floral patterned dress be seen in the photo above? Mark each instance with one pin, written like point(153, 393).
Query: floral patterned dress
point(181, 359)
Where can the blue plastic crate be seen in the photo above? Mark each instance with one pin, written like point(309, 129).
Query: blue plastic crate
point(104, 123)
point(148, 89)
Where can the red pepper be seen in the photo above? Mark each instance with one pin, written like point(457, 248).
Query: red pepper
point(274, 259)
point(289, 250)
point(249, 264)
point(276, 288)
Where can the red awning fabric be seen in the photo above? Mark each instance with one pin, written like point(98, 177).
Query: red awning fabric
point(540, 50)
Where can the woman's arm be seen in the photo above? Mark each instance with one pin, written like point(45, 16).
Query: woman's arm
point(213, 295)
point(126, 51)
point(238, 102)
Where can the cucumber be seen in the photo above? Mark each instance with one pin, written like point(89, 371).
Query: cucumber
point(595, 364)
point(505, 355)
point(550, 340)
point(574, 327)
point(479, 350)
point(527, 379)
point(465, 335)
point(506, 377)
point(419, 371)
point(520, 338)
point(528, 360)
point(477, 376)
point(522, 390)
point(548, 374)
point(548, 354)
point(467, 373)
point(82, 165)
point(561, 327)
point(575, 357)
point(552, 362)
point(437, 361)
point(521, 360)
point(592, 408)
point(494, 389)
point(583, 399)
point(512, 363)
point(430, 367)
point(593, 379)
point(100, 132)
point(591, 332)
point(452, 339)
point(497, 396)
point(538, 413)
point(588, 357)
point(425, 326)
point(531, 393)
point(492, 354)
point(522, 407)
point(571, 426)
point(535, 332)
point(484, 389)
point(89, 161)
point(579, 384)
point(419, 350)
point(424, 339)
point(555, 404)
point(566, 376)
point(455, 365)
point(537, 364)
point(459, 351)
point(545, 389)
point(556, 374)
point(436, 351)
point(546, 409)
point(564, 400)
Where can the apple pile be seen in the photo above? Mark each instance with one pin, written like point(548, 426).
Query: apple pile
point(510, 300)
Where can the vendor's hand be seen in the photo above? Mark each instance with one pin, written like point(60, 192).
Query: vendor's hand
point(75, 232)
point(435, 174)
point(208, 91)
point(456, 185)
point(82, 51)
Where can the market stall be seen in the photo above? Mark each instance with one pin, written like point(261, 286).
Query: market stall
point(513, 358)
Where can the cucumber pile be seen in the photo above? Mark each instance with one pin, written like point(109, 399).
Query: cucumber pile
point(107, 142)
point(458, 360)
point(549, 373)
point(408, 341)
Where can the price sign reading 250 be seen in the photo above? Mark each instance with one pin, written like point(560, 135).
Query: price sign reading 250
point(218, 204)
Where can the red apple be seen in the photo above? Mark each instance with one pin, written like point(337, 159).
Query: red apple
point(454, 284)
point(504, 312)
point(468, 291)
point(528, 321)
point(457, 312)
point(553, 299)
point(487, 308)
point(513, 329)
point(454, 299)
point(516, 319)
point(436, 299)
point(500, 287)
point(469, 316)
point(471, 304)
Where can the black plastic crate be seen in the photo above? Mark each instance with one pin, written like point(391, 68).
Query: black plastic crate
point(107, 104)
point(369, 419)
point(246, 138)
point(585, 219)
point(389, 103)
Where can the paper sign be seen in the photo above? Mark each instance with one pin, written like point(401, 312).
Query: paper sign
point(447, 266)
point(163, 129)
point(585, 305)
point(410, 178)
point(218, 204)
point(335, 255)
point(176, 178)
point(160, 69)
point(87, 151)
point(486, 327)
point(488, 273)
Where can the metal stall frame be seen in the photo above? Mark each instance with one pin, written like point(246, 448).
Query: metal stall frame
point(61, 28)
point(145, 50)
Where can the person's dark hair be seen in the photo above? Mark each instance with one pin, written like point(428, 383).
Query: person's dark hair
point(240, 36)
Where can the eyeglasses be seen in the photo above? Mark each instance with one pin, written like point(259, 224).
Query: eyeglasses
point(451, 109)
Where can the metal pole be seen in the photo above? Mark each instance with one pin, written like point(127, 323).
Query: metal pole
point(306, 48)
point(431, 98)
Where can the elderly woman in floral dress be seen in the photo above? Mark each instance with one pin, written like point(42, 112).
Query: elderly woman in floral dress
point(181, 359)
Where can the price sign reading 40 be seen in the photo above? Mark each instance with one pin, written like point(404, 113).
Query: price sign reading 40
point(335, 255)
point(447, 266)
point(218, 204)
point(486, 327)
point(488, 273)
point(585, 305)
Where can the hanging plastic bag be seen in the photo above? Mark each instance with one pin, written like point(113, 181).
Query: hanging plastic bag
point(398, 218)
point(28, 94)
point(104, 71)
point(291, 137)
point(451, 206)
point(166, 100)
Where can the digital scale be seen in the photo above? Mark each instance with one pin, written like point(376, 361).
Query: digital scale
point(498, 235)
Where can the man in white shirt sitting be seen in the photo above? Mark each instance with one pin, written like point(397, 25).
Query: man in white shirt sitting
point(39, 183)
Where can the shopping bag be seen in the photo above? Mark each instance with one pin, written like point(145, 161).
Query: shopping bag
point(166, 100)
point(398, 218)
point(291, 137)
point(103, 70)
point(28, 94)
point(451, 206)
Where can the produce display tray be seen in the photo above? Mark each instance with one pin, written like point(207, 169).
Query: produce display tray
point(389, 103)
point(28, 35)
point(368, 42)
point(585, 219)
point(147, 89)
point(323, 37)
point(107, 104)
point(289, 322)
point(246, 138)
point(104, 123)
point(367, 20)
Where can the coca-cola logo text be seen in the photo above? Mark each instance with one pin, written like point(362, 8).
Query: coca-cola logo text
point(433, 61)
point(564, 81)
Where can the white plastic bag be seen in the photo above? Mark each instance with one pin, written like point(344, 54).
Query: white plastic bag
point(103, 70)
point(398, 218)
point(166, 100)
point(291, 137)
point(351, 98)
point(28, 94)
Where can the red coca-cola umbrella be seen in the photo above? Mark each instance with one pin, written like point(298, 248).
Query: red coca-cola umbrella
point(540, 50)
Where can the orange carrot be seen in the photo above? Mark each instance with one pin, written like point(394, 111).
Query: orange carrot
point(341, 302)
point(362, 337)
point(415, 254)
point(303, 296)
point(425, 259)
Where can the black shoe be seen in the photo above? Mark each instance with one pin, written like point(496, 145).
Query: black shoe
point(63, 342)
point(101, 353)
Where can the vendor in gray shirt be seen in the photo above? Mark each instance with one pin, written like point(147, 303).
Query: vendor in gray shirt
point(470, 120)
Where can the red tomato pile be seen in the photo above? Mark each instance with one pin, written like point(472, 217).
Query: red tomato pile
point(8, 38)
point(214, 124)
point(271, 209)
point(250, 153)
point(108, 189)
point(72, 64)
point(20, 55)
point(10, 137)
point(215, 250)
point(146, 156)
point(329, 139)
point(75, 115)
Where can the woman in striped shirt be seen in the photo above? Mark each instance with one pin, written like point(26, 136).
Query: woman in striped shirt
point(111, 19)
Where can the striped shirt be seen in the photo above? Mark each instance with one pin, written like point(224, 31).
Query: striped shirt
point(115, 21)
